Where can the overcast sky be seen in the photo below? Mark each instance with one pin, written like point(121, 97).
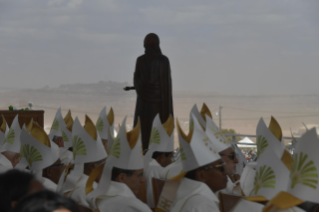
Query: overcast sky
point(223, 46)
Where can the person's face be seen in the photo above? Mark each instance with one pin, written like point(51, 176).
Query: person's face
point(227, 155)
point(59, 141)
point(104, 141)
point(165, 161)
point(134, 181)
point(214, 177)
point(54, 171)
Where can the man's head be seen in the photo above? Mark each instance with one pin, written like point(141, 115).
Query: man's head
point(163, 158)
point(229, 157)
point(13, 157)
point(89, 167)
point(54, 171)
point(14, 185)
point(46, 201)
point(213, 175)
point(58, 140)
point(132, 178)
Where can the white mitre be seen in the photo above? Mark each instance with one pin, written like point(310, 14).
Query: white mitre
point(105, 123)
point(162, 138)
point(36, 148)
point(86, 142)
point(12, 139)
point(126, 153)
point(216, 136)
point(196, 148)
point(65, 126)
point(269, 137)
point(55, 127)
point(4, 129)
point(303, 182)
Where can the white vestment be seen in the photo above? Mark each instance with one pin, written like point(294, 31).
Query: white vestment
point(152, 171)
point(49, 184)
point(171, 170)
point(120, 198)
point(5, 164)
point(66, 156)
point(194, 196)
point(78, 194)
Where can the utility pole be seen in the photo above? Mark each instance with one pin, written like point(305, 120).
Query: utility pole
point(220, 117)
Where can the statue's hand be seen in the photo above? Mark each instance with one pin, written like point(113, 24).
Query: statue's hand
point(127, 88)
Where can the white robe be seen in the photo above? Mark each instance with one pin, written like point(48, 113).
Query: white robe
point(152, 171)
point(49, 184)
point(78, 194)
point(245, 205)
point(171, 170)
point(194, 196)
point(66, 156)
point(5, 164)
point(120, 198)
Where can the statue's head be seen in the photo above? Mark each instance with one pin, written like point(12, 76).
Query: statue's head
point(151, 40)
point(151, 44)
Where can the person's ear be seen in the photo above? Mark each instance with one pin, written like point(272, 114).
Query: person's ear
point(16, 159)
point(200, 175)
point(14, 203)
point(121, 178)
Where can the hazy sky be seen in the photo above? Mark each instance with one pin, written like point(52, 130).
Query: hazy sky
point(223, 46)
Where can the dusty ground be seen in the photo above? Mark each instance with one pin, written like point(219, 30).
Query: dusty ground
point(239, 112)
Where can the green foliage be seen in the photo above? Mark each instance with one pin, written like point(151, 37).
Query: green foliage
point(64, 137)
point(116, 148)
point(155, 136)
point(303, 171)
point(264, 178)
point(55, 124)
point(230, 131)
point(31, 154)
point(183, 156)
point(78, 147)
point(262, 143)
point(10, 107)
point(99, 124)
point(10, 137)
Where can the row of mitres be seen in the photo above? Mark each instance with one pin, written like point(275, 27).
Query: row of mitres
point(200, 172)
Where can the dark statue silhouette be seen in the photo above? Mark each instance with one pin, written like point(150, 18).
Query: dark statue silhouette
point(153, 85)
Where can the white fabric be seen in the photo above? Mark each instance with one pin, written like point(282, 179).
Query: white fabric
point(171, 170)
point(106, 126)
point(245, 205)
point(66, 156)
point(247, 178)
point(94, 149)
point(56, 132)
point(152, 171)
point(15, 130)
point(165, 142)
point(5, 164)
point(49, 184)
point(194, 196)
point(78, 194)
point(199, 151)
point(120, 198)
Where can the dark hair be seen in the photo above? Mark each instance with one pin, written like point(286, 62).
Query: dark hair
point(117, 171)
point(45, 201)
point(157, 154)
point(14, 185)
point(192, 174)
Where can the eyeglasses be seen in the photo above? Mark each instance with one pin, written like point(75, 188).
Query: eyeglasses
point(221, 167)
point(231, 155)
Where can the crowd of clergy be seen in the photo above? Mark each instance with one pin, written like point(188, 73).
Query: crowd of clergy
point(98, 169)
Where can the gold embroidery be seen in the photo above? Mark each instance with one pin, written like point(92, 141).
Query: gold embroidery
point(165, 204)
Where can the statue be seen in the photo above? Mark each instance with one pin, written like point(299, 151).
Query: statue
point(153, 85)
